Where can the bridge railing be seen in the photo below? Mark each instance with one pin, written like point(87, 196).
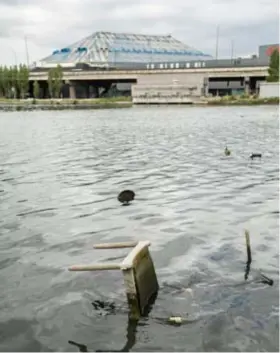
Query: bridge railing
point(110, 66)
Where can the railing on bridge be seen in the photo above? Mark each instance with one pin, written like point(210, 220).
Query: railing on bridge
point(105, 67)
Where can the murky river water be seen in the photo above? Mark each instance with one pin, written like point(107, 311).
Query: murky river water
point(60, 174)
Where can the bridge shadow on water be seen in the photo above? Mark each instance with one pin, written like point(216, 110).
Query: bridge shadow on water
point(131, 331)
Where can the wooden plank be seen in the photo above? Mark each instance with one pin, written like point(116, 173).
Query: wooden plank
point(139, 277)
point(95, 267)
point(128, 244)
point(131, 294)
point(132, 258)
point(146, 279)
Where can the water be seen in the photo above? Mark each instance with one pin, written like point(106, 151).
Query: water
point(60, 173)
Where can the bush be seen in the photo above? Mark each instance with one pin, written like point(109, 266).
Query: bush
point(244, 96)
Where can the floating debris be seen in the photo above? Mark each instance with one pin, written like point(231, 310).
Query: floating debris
point(263, 279)
point(249, 256)
point(82, 347)
point(126, 196)
point(266, 280)
point(175, 320)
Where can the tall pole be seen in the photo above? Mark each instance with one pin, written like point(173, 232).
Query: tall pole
point(26, 51)
point(232, 49)
point(217, 42)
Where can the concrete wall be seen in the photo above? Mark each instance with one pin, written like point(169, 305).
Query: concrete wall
point(165, 94)
point(137, 74)
point(195, 81)
point(269, 89)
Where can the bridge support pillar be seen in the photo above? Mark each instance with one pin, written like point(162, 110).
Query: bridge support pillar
point(95, 91)
point(72, 90)
point(247, 85)
point(205, 89)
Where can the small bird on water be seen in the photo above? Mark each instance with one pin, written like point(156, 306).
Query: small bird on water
point(255, 155)
point(126, 196)
point(227, 151)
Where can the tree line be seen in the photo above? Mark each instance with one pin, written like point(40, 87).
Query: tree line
point(14, 82)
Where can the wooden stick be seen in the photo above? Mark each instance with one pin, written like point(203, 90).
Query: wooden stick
point(96, 267)
point(248, 246)
point(128, 244)
point(249, 257)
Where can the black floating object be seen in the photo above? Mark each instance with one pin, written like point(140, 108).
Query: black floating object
point(266, 280)
point(126, 196)
point(256, 155)
point(82, 347)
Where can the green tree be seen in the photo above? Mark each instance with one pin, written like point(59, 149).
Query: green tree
point(14, 81)
point(51, 82)
point(58, 81)
point(6, 82)
point(55, 81)
point(273, 70)
point(36, 89)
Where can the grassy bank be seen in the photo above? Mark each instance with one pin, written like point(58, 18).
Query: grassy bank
point(120, 102)
point(242, 100)
point(62, 104)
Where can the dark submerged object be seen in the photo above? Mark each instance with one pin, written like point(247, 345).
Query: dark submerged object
point(256, 155)
point(126, 196)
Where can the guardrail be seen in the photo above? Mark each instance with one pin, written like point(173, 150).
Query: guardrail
point(220, 63)
point(68, 74)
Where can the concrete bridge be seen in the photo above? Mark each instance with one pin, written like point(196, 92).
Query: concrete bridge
point(199, 81)
point(89, 75)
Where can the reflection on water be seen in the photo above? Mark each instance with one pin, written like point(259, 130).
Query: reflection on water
point(60, 174)
point(131, 326)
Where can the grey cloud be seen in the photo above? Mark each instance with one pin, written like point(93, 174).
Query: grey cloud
point(10, 27)
point(17, 3)
point(57, 23)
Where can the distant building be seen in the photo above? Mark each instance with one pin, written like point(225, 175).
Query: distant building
point(107, 49)
point(266, 50)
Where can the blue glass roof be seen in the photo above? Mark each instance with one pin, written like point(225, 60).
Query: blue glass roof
point(107, 47)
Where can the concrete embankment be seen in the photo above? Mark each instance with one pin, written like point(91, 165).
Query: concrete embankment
point(235, 100)
point(114, 103)
point(61, 104)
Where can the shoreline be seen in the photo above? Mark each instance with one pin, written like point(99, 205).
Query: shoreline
point(64, 104)
point(7, 105)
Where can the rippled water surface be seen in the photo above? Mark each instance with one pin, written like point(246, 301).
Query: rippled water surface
point(60, 174)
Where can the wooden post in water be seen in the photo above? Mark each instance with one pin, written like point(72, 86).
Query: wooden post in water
point(139, 274)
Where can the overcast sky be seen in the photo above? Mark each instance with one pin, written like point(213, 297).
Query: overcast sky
point(52, 24)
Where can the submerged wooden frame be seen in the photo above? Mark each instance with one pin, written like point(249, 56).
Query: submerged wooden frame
point(138, 270)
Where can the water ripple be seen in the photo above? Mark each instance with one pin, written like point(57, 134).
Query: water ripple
point(60, 177)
